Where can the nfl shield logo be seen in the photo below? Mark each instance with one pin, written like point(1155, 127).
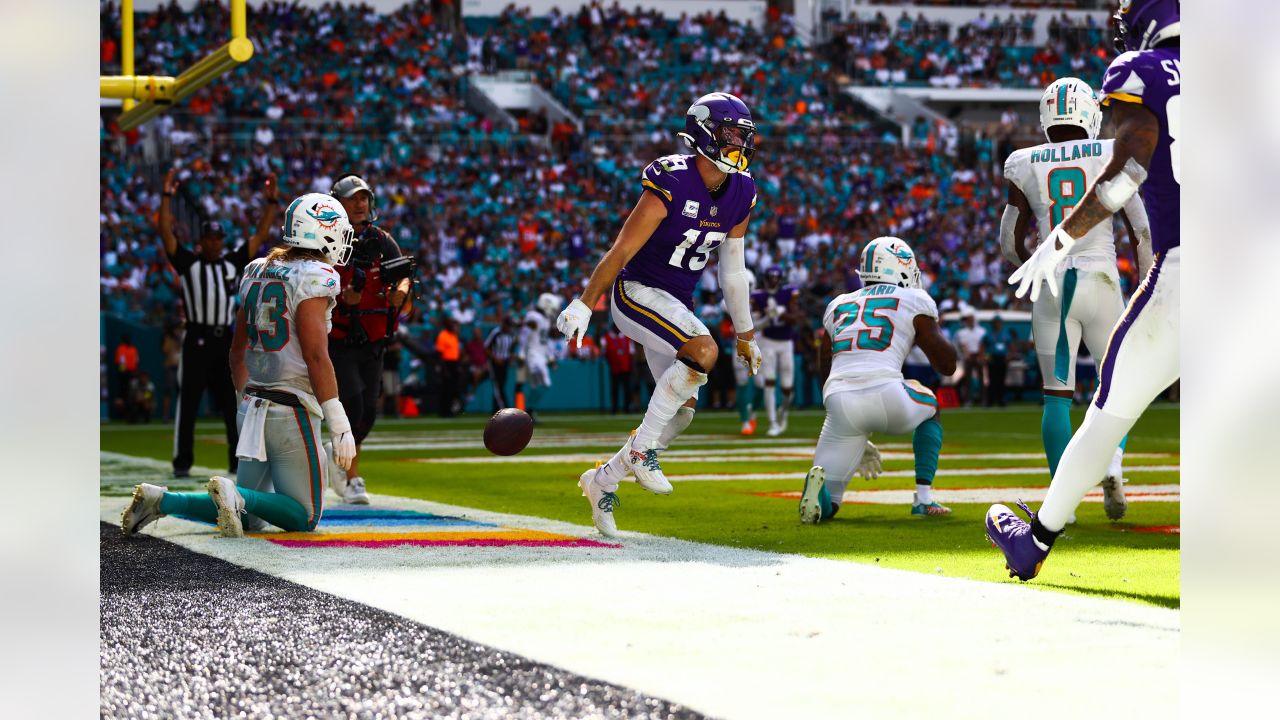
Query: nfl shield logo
point(714, 210)
point(691, 208)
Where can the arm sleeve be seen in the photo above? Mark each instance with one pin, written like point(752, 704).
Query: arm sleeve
point(1136, 212)
point(239, 257)
point(182, 258)
point(733, 283)
point(660, 182)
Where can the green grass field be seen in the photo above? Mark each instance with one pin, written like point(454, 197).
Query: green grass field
point(1094, 557)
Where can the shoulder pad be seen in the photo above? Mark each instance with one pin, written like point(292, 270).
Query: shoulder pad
point(661, 176)
point(1124, 78)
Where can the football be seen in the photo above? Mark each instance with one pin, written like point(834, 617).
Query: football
point(508, 431)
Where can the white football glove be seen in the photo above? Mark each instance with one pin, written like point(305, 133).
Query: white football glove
point(870, 467)
point(1042, 265)
point(574, 320)
point(344, 443)
point(749, 352)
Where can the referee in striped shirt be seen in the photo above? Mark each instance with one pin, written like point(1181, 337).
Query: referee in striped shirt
point(209, 284)
point(501, 345)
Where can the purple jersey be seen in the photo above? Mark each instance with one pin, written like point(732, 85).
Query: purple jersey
point(695, 225)
point(775, 328)
point(1153, 79)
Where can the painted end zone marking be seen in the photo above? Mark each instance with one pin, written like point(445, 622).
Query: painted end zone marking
point(449, 531)
point(1163, 529)
point(407, 540)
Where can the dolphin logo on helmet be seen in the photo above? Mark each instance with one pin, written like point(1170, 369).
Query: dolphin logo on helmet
point(889, 260)
point(318, 222)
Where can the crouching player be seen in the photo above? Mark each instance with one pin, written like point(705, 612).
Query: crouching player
point(869, 333)
point(281, 368)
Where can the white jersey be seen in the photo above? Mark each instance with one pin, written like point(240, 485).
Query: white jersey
point(871, 331)
point(535, 342)
point(1054, 177)
point(270, 294)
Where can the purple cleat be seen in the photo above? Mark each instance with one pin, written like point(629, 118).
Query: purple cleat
point(1023, 554)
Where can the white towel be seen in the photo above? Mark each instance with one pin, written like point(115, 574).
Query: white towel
point(253, 443)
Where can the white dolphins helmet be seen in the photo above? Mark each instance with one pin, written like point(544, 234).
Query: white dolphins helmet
point(318, 222)
point(549, 304)
point(889, 260)
point(1070, 101)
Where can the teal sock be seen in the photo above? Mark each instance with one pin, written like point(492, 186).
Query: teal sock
point(280, 510)
point(190, 506)
point(745, 393)
point(828, 507)
point(926, 442)
point(1055, 429)
point(1124, 441)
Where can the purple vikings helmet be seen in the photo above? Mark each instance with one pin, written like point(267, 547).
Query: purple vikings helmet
point(719, 127)
point(1142, 24)
point(773, 278)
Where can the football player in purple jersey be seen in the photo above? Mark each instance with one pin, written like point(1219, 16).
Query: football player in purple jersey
point(690, 206)
point(1142, 90)
point(777, 308)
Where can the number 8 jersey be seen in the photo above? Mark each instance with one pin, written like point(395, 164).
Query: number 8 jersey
point(1054, 177)
point(871, 331)
point(697, 222)
point(269, 294)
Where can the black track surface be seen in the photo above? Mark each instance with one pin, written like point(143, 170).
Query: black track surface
point(185, 635)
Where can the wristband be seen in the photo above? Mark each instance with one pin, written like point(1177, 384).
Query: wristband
point(336, 416)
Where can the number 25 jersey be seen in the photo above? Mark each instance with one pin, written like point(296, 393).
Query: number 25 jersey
point(697, 222)
point(871, 331)
point(269, 294)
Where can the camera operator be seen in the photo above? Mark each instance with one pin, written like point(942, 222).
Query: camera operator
point(375, 288)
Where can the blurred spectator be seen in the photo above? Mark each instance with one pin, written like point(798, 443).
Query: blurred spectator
point(171, 347)
point(126, 361)
point(619, 351)
point(969, 340)
point(142, 398)
point(477, 362)
point(997, 344)
point(392, 356)
point(450, 352)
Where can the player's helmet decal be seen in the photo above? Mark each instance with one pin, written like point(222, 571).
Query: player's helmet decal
point(549, 304)
point(1141, 24)
point(889, 260)
point(1070, 101)
point(318, 222)
point(719, 127)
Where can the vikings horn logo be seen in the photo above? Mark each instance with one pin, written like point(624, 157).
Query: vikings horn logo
point(325, 215)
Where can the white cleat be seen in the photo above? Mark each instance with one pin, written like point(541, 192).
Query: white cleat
point(776, 430)
point(230, 506)
point(783, 416)
point(1113, 500)
point(337, 476)
point(810, 506)
point(143, 509)
point(355, 493)
point(646, 468)
point(602, 502)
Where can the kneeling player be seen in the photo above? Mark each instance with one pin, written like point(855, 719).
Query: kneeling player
point(281, 368)
point(869, 333)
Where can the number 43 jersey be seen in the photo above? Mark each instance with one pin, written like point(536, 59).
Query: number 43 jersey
point(871, 331)
point(269, 294)
point(1054, 177)
point(697, 222)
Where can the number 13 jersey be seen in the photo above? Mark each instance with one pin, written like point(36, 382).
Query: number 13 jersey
point(270, 293)
point(871, 331)
point(697, 222)
point(1055, 177)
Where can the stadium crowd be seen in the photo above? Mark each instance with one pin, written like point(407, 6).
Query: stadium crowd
point(496, 217)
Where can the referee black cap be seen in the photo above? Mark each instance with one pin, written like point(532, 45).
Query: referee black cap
point(212, 228)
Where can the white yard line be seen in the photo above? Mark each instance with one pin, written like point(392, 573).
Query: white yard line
point(942, 472)
point(961, 496)
point(747, 634)
point(743, 455)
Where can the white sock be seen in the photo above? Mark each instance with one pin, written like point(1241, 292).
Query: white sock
point(612, 472)
point(1082, 464)
point(679, 383)
point(770, 405)
point(924, 494)
point(1116, 461)
point(787, 395)
point(678, 424)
